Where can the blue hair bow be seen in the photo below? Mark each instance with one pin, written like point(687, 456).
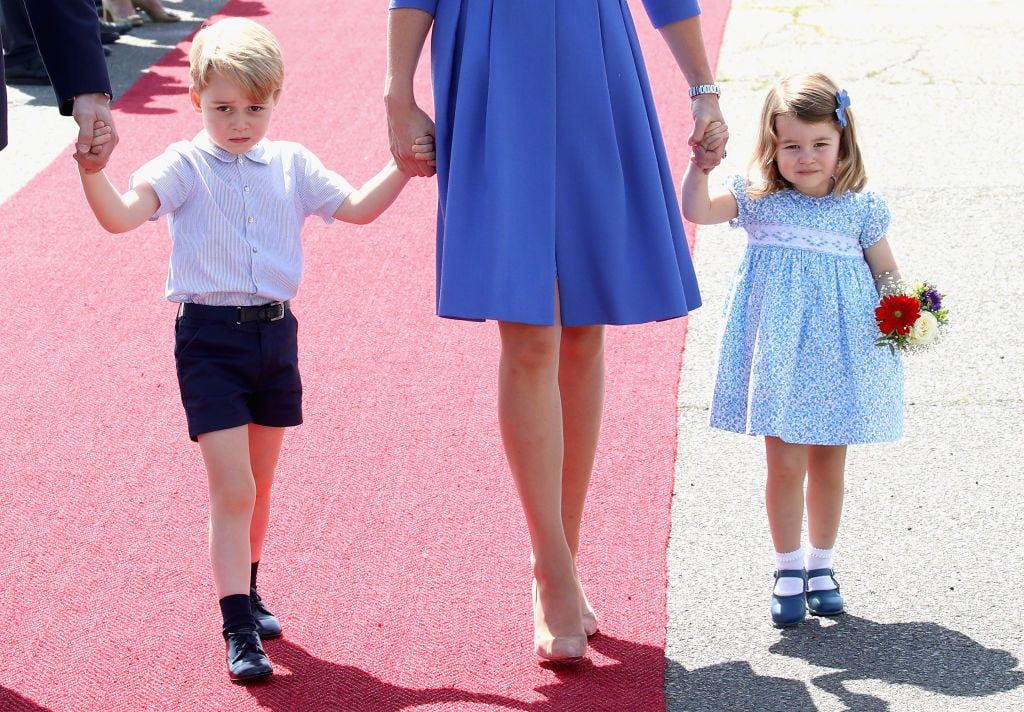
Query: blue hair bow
point(842, 104)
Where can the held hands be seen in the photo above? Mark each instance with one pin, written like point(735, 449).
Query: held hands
point(711, 150)
point(409, 127)
point(423, 149)
point(102, 136)
point(97, 135)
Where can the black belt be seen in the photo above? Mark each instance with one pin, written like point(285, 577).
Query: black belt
point(274, 311)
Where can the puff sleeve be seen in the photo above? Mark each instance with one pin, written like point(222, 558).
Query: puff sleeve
point(876, 219)
point(737, 185)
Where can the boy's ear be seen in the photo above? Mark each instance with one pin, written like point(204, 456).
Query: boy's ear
point(193, 96)
point(277, 96)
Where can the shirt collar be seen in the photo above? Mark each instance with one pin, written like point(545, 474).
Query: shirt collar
point(258, 153)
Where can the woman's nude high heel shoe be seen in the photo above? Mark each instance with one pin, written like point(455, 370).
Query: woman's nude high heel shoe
point(156, 11)
point(110, 15)
point(589, 616)
point(558, 648)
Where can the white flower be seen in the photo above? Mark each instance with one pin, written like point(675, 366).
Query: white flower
point(925, 330)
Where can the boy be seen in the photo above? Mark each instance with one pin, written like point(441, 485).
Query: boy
point(236, 203)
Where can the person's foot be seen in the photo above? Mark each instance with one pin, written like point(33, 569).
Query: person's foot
point(823, 598)
point(108, 36)
point(28, 73)
point(588, 613)
point(246, 659)
point(558, 634)
point(267, 624)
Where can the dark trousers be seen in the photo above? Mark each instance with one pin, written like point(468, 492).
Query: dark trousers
point(20, 48)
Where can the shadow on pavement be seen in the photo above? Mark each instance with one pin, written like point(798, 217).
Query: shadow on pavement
point(925, 655)
point(732, 686)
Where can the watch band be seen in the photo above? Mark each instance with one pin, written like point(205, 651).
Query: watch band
point(705, 89)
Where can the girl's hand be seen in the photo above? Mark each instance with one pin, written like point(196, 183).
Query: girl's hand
point(423, 150)
point(706, 160)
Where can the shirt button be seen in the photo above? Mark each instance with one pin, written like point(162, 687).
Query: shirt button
point(241, 160)
point(255, 249)
point(250, 219)
point(246, 189)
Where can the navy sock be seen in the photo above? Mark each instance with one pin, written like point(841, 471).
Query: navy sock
point(237, 613)
point(252, 574)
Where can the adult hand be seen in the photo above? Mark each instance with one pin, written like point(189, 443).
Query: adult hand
point(706, 111)
point(93, 149)
point(408, 124)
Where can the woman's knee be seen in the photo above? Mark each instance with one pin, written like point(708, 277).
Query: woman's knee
point(529, 347)
point(582, 344)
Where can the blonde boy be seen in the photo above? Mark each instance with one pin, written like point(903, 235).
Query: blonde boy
point(236, 203)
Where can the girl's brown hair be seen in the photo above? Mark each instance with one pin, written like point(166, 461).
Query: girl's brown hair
point(811, 98)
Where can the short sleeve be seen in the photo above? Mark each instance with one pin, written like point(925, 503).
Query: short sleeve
point(171, 175)
point(662, 12)
point(737, 185)
point(425, 5)
point(321, 191)
point(876, 219)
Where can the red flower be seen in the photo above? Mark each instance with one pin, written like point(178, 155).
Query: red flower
point(897, 313)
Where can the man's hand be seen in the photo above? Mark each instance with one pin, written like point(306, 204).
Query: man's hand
point(95, 142)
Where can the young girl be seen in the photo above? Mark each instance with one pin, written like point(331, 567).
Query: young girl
point(236, 203)
point(798, 362)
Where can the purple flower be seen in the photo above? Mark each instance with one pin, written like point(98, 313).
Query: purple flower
point(930, 298)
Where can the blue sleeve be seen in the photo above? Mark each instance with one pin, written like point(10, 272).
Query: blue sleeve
point(737, 185)
point(425, 5)
point(662, 12)
point(876, 219)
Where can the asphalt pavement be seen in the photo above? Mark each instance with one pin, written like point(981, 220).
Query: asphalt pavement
point(929, 554)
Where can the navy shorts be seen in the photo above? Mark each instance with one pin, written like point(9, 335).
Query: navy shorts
point(234, 374)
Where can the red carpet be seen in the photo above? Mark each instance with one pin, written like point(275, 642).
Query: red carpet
point(397, 555)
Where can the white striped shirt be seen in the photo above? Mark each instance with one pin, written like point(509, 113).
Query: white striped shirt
point(236, 220)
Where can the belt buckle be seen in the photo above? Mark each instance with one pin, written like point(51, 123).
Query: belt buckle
point(275, 311)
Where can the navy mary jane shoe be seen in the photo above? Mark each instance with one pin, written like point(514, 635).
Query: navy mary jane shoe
point(824, 603)
point(789, 610)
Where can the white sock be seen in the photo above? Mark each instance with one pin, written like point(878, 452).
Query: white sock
point(791, 561)
point(819, 559)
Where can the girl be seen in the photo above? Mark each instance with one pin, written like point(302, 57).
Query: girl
point(798, 363)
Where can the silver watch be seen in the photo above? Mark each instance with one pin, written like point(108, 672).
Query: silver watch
point(705, 89)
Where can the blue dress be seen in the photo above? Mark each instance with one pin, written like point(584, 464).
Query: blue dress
point(798, 359)
point(551, 166)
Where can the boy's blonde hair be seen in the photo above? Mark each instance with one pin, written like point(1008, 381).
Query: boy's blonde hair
point(243, 52)
point(811, 98)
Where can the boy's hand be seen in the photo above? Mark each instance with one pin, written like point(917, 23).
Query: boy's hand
point(423, 150)
point(102, 134)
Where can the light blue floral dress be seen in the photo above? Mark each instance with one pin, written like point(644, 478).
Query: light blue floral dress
point(798, 359)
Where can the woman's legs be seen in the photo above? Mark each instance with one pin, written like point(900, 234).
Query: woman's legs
point(581, 385)
point(530, 417)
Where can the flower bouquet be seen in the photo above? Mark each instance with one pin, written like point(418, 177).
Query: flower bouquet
point(911, 321)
